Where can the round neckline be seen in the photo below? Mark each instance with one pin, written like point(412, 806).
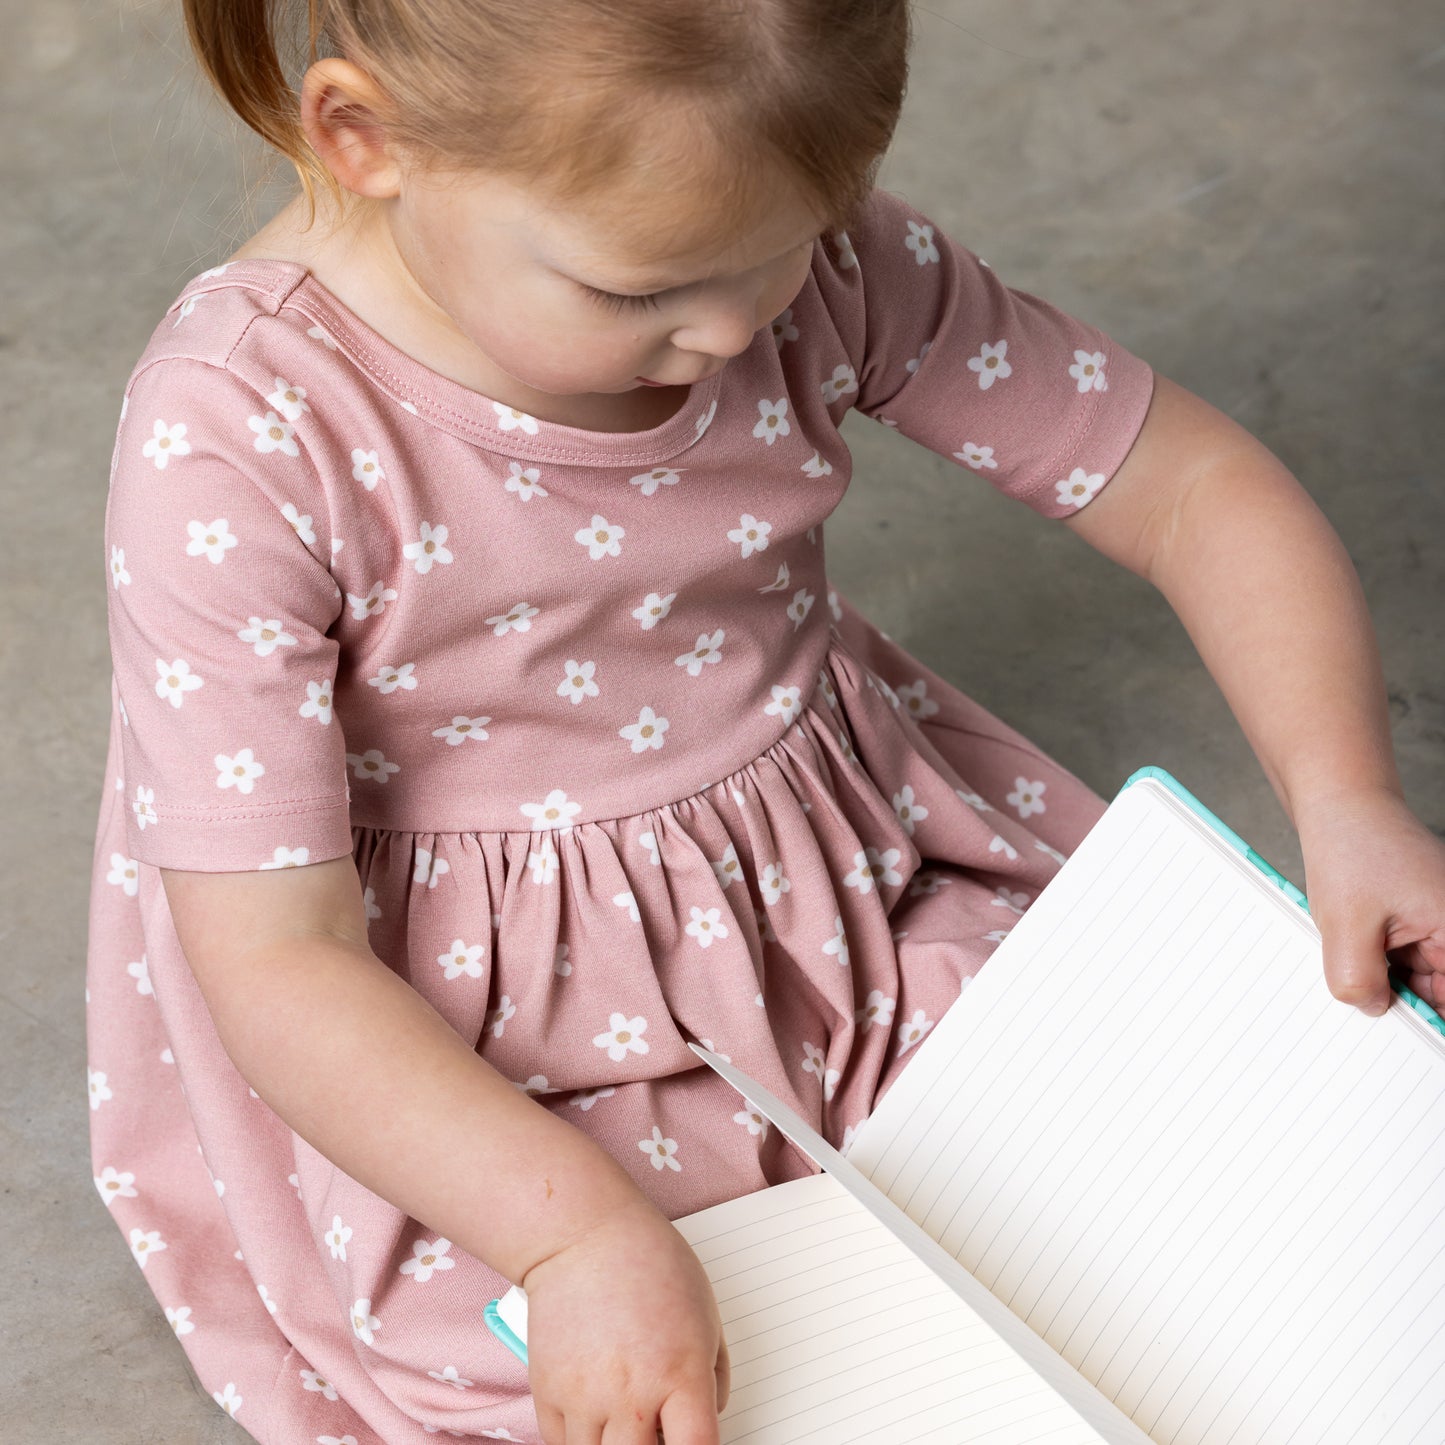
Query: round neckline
point(447, 404)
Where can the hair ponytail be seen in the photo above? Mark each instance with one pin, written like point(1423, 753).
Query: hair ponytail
point(236, 44)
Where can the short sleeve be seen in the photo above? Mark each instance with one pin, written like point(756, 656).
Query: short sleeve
point(221, 604)
point(1038, 403)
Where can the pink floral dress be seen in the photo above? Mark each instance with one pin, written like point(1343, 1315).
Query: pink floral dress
point(617, 767)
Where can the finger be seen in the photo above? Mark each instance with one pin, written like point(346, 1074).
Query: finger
point(630, 1426)
point(581, 1431)
point(1355, 967)
point(1428, 985)
point(690, 1418)
point(723, 1376)
point(550, 1423)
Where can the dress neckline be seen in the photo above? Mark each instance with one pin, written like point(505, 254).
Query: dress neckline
point(447, 404)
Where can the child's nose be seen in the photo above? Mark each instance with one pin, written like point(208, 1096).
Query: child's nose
point(723, 326)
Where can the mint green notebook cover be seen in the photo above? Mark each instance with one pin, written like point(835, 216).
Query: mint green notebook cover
point(1407, 996)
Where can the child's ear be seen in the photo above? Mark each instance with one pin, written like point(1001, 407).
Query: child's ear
point(342, 111)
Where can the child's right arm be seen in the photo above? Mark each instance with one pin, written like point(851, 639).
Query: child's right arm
point(623, 1329)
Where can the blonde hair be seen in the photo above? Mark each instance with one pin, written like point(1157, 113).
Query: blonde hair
point(556, 91)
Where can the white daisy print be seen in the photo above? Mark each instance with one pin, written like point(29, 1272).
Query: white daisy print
point(461, 727)
point(526, 482)
point(301, 525)
point(389, 678)
point(654, 608)
point(372, 764)
point(834, 606)
point(843, 380)
point(274, 435)
point(368, 902)
point(919, 240)
point(622, 1036)
point(772, 885)
point(912, 366)
point(145, 1243)
point(706, 926)
point(317, 334)
point(560, 964)
point(783, 328)
point(663, 1152)
point(186, 307)
point(554, 811)
point(773, 420)
point(429, 868)
point(374, 603)
point(99, 1089)
point(180, 1320)
point(911, 1031)
point(289, 400)
point(429, 550)
point(837, 946)
point(728, 867)
point(990, 364)
point(995, 935)
point(647, 732)
point(752, 1119)
point(124, 873)
point(366, 468)
point(981, 459)
point(428, 1256)
point(211, 541)
point(1078, 487)
point(364, 1324)
point(849, 1134)
point(927, 883)
point(534, 1086)
point(518, 618)
point(141, 972)
point(1027, 797)
point(239, 772)
point(462, 959)
point(144, 807)
point(654, 853)
point(708, 650)
point(1052, 852)
point(284, 857)
point(337, 1237)
point(787, 703)
point(601, 538)
point(175, 681)
point(750, 534)
point(649, 482)
point(816, 466)
point(450, 1376)
point(577, 681)
point(585, 1098)
point(1014, 902)
point(908, 809)
point(227, 1399)
point(780, 582)
point(118, 573)
point(975, 801)
point(509, 419)
point(915, 698)
point(1000, 844)
point(813, 1063)
point(318, 701)
point(310, 1380)
point(877, 1009)
point(1088, 371)
point(166, 442)
point(498, 1017)
point(705, 420)
point(847, 257)
point(871, 867)
point(628, 900)
point(265, 635)
point(765, 926)
point(800, 607)
point(112, 1184)
point(542, 862)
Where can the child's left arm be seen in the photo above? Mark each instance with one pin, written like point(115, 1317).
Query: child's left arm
point(1263, 585)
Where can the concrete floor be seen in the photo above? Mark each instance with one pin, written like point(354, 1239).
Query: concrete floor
point(1249, 196)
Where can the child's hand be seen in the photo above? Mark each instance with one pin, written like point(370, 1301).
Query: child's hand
point(1376, 882)
point(624, 1338)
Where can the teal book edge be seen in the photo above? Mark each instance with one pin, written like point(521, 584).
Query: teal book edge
point(1159, 775)
point(499, 1327)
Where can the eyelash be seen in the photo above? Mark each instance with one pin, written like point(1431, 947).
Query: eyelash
point(614, 302)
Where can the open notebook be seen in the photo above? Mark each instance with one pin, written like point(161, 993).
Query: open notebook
point(1145, 1181)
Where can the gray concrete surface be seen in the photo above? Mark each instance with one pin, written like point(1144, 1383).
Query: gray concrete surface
point(1249, 196)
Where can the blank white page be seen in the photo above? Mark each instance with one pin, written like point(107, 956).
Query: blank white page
point(1149, 1130)
point(838, 1333)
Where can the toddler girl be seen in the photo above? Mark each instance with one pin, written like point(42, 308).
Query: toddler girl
point(486, 729)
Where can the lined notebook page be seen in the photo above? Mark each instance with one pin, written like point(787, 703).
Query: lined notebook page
point(838, 1333)
point(1149, 1130)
